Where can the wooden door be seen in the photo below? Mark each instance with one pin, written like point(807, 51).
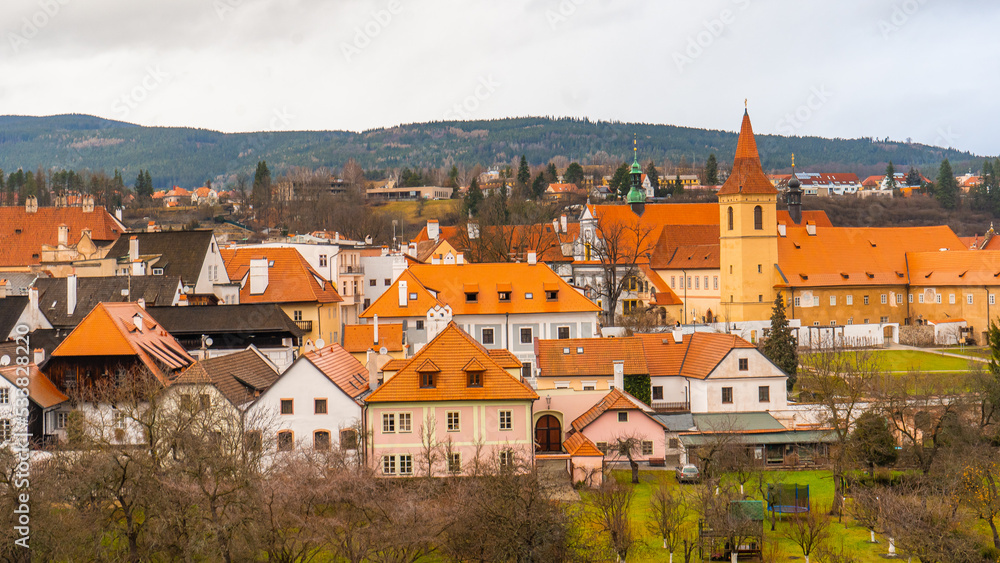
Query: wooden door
point(548, 434)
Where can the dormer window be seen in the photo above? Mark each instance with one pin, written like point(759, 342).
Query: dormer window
point(428, 373)
point(427, 379)
point(157, 271)
point(552, 295)
point(472, 297)
point(471, 292)
point(503, 296)
point(475, 379)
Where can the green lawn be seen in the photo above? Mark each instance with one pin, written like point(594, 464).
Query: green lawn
point(914, 360)
point(853, 538)
point(973, 351)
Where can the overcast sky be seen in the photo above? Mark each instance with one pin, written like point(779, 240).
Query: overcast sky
point(922, 69)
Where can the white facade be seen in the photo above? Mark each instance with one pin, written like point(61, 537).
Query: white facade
point(303, 384)
point(380, 273)
point(735, 385)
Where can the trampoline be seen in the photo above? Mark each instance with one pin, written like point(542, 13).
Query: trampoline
point(788, 499)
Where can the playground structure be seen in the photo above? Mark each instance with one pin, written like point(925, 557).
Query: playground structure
point(739, 532)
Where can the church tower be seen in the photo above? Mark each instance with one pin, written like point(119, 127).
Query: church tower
point(748, 235)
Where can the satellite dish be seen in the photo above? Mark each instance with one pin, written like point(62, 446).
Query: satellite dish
point(5, 360)
point(320, 343)
point(208, 341)
point(383, 350)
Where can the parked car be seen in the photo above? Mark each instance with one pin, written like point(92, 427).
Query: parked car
point(688, 474)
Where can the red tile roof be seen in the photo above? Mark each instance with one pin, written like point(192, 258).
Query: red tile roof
point(616, 400)
point(747, 177)
point(446, 356)
point(41, 390)
point(110, 330)
point(562, 358)
point(664, 295)
point(841, 256)
point(695, 356)
point(451, 281)
point(290, 280)
point(578, 445)
point(962, 267)
point(360, 338)
point(341, 368)
point(22, 234)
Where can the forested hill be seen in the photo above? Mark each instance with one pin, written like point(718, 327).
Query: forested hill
point(187, 156)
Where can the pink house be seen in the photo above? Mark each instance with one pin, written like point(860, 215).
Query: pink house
point(448, 408)
point(620, 415)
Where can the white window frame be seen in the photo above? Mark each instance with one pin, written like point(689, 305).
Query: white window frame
point(562, 384)
point(920, 298)
point(993, 299)
point(591, 384)
point(885, 299)
point(454, 421)
point(849, 299)
point(404, 422)
point(405, 464)
point(388, 465)
point(455, 462)
point(937, 298)
point(506, 420)
point(388, 423)
point(968, 299)
point(493, 336)
point(4, 396)
point(951, 298)
point(833, 300)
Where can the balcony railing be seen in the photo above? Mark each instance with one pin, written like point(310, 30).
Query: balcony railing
point(665, 406)
point(306, 326)
point(352, 270)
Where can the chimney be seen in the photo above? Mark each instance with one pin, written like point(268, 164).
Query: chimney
point(563, 223)
point(433, 229)
point(678, 337)
point(370, 360)
point(375, 330)
point(532, 257)
point(3, 288)
point(137, 321)
point(63, 235)
point(142, 303)
point(402, 293)
point(39, 354)
point(118, 214)
point(435, 259)
point(781, 229)
point(70, 294)
point(555, 225)
point(88, 204)
point(460, 258)
point(258, 276)
point(35, 312)
point(811, 228)
point(133, 248)
point(31, 204)
point(620, 375)
point(473, 230)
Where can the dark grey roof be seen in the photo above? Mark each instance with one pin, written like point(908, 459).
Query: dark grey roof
point(19, 282)
point(241, 376)
point(10, 310)
point(182, 253)
point(681, 422)
point(155, 290)
point(776, 437)
point(208, 319)
point(736, 422)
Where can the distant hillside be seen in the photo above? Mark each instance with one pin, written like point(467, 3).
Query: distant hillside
point(186, 156)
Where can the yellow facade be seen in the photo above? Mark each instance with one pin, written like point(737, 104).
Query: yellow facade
point(748, 250)
point(322, 319)
point(825, 306)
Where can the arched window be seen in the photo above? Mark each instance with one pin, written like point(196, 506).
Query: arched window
point(321, 440)
point(286, 441)
point(730, 211)
point(758, 218)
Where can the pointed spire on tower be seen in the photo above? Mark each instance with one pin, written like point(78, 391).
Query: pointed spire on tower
point(635, 195)
point(747, 176)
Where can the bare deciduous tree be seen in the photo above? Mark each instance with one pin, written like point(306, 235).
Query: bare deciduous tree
point(611, 502)
point(809, 530)
point(620, 244)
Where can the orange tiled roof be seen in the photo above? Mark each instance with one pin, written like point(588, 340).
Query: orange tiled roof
point(448, 354)
point(695, 356)
point(41, 390)
point(563, 188)
point(616, 400)
point(696, 257)
point(290, 280)
point(839, 256)
point(448, 233)
point(664, 295)
point(673, 237)
point(341, 368)
point(449, 282)
point(109, 330)
point(817, 216)
point(961, 267)
point(578, 445)
point(747, 176)
point(562, 358)
point(992, 244)
point(360, 338)
point(22, 234)
point(505, 358)
point(395, 364)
